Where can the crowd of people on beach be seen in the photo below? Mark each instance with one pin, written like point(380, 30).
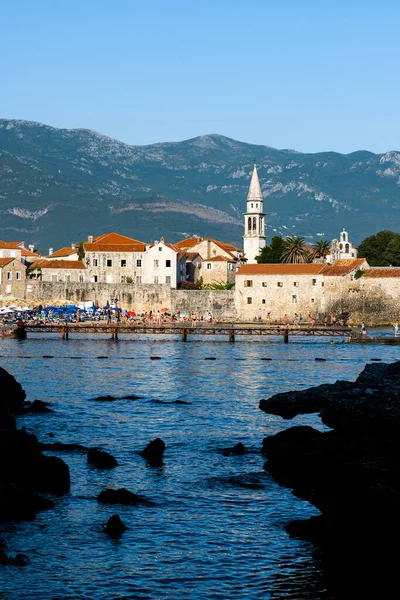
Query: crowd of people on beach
point(112, 314)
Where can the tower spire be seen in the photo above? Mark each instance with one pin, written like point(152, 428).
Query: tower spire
point(255, 193)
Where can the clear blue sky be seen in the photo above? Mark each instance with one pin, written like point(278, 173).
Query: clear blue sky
point(305, 74)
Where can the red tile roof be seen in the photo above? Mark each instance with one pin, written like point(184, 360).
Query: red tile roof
point(191, 242)
point(380, 272)
point(344, 266)
point(100, 247)
point(64, 252)
point(6, 260)
point(281, 269)
point(59, 264)
point(115, 238)
point(220, 259)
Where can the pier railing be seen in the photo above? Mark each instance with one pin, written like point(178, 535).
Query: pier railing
point(185, 331)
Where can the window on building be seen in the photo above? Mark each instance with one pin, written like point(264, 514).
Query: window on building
point(156, 263)
point(123, 262)
point(95, 262)
point(138, 279)
point(95, 278)
point(263, 301)
point(18, 275)
point(346, 248)
point(249, 300)
point(209, 266)
point(139, 263)
point(231, 266)
point(155, 278)
point(312, 300)
point(109, 262)
point(322, 283)
point(296, 283)
point(167, 263)
point(314, 282)
point(168, 279)
point(248, 283)
point(264, 284)
point(81, 278)
point(257, 205)
point(123, 278)
point(279, 284)
point(294, 299)
point(9, 275)
point(249, 222)
point(159, 248)
point(252, 205)
point(67, 276)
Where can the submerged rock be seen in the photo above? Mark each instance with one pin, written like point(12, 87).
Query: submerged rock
point(114, 526)
point(154, 451)
point(38, 406)
point(121, 496)
point(101, 459)
point(237, 449)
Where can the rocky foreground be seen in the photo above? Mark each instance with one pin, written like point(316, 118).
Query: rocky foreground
point(25, 472)
point(351, 473)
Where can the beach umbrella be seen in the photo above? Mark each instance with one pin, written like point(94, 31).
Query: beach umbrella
point(131, 313)
point(184, 314)
point(164, 309)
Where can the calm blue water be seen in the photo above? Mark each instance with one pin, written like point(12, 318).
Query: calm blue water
point(217, 527)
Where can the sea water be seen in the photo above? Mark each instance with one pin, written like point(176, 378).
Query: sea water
point(217, 525)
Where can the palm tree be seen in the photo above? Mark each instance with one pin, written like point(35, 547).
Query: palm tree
point(295, 250)
point(321, 248)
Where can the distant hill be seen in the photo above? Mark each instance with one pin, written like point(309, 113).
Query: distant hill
point(58, 185)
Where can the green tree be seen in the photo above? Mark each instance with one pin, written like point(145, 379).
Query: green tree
point(374, 248)
point(272, 253)
point(295, 250)
point(392, 253)
point(321, 248)
point(81, 251)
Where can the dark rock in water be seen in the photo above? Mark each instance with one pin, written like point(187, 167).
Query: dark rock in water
point(114, 526)
point(20, 505)
point(38, 406)
point(3, 557)
point(101, 459)
point(21, 560)
point(320, 359)
point(121, 496)
point(24, 470)
point(154, 451)
point(131, 397)
point(60, 446)
point(51, 435)
point(104, 398)
point(181, 402)
point(237, 449)
point(12, 395)
point(350, 473)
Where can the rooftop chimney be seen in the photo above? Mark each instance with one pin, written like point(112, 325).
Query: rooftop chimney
point(31, 247)
point(90, 239)
point(50, 251)
point(73, 246)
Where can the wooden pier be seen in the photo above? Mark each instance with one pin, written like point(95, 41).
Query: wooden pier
point(185, 331)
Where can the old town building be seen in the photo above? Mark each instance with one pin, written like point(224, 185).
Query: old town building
point(68, 271)
point(12, 277)
point(164, 264)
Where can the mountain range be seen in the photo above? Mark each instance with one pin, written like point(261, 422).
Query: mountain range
point(58, 186)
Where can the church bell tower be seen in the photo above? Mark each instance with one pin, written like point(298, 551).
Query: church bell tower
point(254, 238)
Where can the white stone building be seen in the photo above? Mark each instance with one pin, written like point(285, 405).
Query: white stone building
point(254, 238)
point(341, 249)
point(67, 271)
point(218, 260)
point(164, 264)
point(66, 253)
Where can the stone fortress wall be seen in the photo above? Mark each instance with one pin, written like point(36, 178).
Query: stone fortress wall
point(135, 297)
